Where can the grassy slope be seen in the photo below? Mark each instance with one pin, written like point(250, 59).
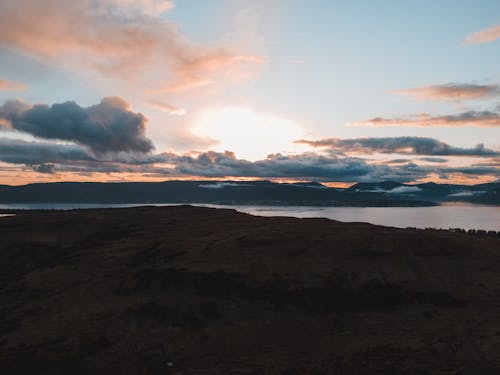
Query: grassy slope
point(197, 290)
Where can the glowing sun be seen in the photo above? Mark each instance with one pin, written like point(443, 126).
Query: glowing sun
point(249, 134)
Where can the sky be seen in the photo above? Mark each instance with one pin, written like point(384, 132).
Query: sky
point(286, 90)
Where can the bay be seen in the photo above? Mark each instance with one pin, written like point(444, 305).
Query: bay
point(456, 215)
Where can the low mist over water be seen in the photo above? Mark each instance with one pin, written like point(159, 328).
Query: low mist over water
point(466, 216)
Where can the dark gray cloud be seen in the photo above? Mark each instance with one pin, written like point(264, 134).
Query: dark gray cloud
point(434, 160)
point(475, 170)
point(214, 164)
point(52, 157)
point(398, 161)
point(42, 156)
point(310, 166)
point(48, 157)
point(489, 163)
point(16, 151)
point(44, 168)
point(399, 145)
point(108, 127)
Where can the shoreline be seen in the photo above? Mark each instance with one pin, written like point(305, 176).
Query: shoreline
point(447, 216)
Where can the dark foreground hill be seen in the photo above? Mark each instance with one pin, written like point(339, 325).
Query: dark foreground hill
point(186, 290)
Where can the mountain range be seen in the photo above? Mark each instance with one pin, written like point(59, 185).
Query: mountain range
point(386, 193)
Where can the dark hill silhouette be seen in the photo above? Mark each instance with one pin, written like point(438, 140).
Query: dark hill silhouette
point(215, 192)
point(385, 193)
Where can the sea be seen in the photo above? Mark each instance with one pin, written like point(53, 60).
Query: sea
point(449, 215)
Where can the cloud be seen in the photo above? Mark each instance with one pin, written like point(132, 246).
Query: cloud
point(6, 85)
point(399, 145)
point(487, 35)
point(434, 160)
point(150, 7)
point(311, 166)
point(221, 185)
point(468, 118)
point(122, 39)
point(404, 190)
point(42, 156)
point(51, 157)
point(165, 107)
point(304, 166)
point(18, 151)
point(108, 127)
point(495, 162)
point(475, 170)
point(44, 168)
point(200, 71)
point(399, 161)
point(452, 91)
point(396, 190)
point(467, 193)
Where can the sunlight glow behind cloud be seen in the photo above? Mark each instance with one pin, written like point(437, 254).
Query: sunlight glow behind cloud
point(251, 135)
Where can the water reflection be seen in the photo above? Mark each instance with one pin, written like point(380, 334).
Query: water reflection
point(466, 216)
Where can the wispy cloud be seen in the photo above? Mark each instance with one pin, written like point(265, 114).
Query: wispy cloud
point(468, 118)
point(434, 160)
point(487, 35)
point(452, 91)
point(122, 39)
point(151, 7)
point(165, 107)
point(399, 145)
point(7, 85)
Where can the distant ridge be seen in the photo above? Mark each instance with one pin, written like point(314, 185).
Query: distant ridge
point(262, 192)
point(211, 192)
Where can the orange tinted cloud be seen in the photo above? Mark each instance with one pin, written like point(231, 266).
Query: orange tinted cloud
point(6, 85)
point(121, 39)
point(152, 7)
point(452, 91)
point(60, 29)
point(487, 35)
point(469, 118)
point(200, 70)
point(165, 107)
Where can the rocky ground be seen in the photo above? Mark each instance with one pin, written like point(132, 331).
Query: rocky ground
point(189, 290)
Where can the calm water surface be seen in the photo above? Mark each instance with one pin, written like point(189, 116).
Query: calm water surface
point(465, 216)
point(443, 217)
